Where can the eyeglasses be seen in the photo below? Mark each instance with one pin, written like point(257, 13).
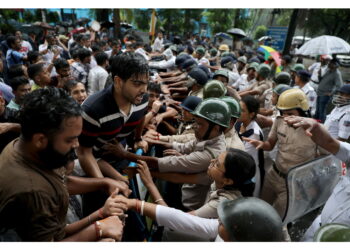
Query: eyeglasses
point(214, 164)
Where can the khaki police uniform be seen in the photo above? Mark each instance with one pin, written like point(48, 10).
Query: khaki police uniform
point(195, 159)
point(186, 136)
point(215, 196)
point(233, 140)
point(294, 148)
point(262, 87)
point(198, 93)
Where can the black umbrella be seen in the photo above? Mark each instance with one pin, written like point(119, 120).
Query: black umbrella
point(237, 32)
point(83, 20)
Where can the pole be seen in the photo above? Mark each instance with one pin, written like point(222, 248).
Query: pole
point(291, 30)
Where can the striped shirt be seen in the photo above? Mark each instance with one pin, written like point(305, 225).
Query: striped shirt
point(103, 121)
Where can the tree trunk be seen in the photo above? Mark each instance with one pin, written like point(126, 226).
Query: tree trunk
point(291, 30)
point(116, 20)
point(43, 15)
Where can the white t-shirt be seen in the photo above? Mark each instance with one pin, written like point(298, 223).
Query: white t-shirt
point(180, 221)
point(338, 122)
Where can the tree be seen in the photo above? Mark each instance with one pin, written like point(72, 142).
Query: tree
point(260, 31)
point(142, 19)
point(220, 20)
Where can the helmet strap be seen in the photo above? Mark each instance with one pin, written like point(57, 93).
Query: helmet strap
point(210, 127)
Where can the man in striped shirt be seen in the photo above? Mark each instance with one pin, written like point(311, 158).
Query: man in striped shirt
point(115, 113)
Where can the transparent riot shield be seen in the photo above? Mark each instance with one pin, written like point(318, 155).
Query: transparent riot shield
point(309, 185)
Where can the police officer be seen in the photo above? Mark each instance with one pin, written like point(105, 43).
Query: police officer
point(212, 116)
point(231, 135)
point(229, 63)
point(185, 130)
point(259, 88)
point(294, 148)
point(214, 88)
point(296, 67)
point(195, 81)
point(246, 80)
point(280, 78)
point(337, 207)
point(222, 75)
point(302, 81)
point(333, 232)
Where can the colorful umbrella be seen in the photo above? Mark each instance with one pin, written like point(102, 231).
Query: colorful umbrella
point(268, 51)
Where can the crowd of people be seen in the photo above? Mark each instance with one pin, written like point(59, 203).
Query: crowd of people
point(218, 129)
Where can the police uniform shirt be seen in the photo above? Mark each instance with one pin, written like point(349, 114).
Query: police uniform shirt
point(215, 196)
point(338, 122)
point(195, 159)
point(261, 87)
point(198, 93)
point(243, 82)
point(294, 147)
point(311, 96)
point(233, 140)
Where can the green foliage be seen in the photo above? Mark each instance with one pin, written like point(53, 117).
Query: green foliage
point(142, 19)
point(284, 17)
point(260, 31)
point(220, 20)
point(52, 17)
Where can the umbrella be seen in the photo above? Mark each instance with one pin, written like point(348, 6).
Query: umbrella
point(324, 45)
point(83, 20)
point(265, 38)
point(268, 51)
point(237, 32)
point(223, 35)
point(43, 25)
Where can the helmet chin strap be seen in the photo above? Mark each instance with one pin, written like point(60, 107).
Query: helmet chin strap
point(210, 127)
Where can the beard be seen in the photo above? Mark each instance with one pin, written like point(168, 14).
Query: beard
point(53, 159)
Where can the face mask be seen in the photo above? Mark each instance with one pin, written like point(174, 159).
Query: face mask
point(190, 82)
point(339, 100)
point(229, 65)
point(53, 159)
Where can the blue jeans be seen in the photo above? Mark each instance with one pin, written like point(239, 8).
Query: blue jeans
point(321, 106)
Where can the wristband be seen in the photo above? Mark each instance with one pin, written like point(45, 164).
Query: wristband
point(142, 207)
point(159, 200)
point(98, 229)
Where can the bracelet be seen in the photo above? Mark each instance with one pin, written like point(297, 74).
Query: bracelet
point(98, 229)
point(100, 213)
point(153, 113)
point(137, 207)
point(159, 200)
point(142, 207)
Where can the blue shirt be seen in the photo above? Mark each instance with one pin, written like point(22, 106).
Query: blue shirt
point(14, 57)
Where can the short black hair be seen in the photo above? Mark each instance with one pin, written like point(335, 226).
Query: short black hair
point(190, 49)
point(15, 71)
point(61, 63)
point(44, 110)
point(95, 48)
point(83, 53)
point(239, 167)
point(154, 87)
point(128, 64)
point(251, 103)
point(70, 84)
point(35, 69)
point(33, 56)
point(11, 40)
point(101, 58)
point(18, 81)
point(102, 43)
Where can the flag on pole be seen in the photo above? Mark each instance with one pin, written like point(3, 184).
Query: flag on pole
point(152, 29)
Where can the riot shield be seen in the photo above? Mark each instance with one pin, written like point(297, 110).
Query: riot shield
point(309, 185)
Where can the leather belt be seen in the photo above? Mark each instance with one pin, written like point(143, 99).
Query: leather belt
point(283, 175)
